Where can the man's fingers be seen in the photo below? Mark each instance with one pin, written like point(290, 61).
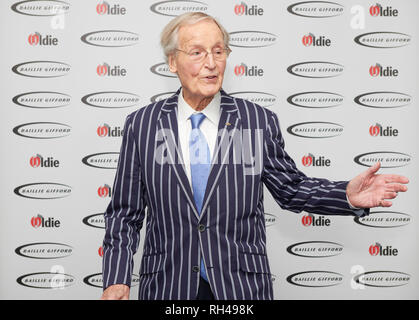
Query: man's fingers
point(396, 187)
point(390, 195)
point(385, 203)
point(395, 178)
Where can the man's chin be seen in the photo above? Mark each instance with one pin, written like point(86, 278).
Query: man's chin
point(210, 91)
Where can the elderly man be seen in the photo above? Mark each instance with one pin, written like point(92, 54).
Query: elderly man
point(185, 162)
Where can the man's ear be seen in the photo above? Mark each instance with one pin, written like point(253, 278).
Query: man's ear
point(172, 63)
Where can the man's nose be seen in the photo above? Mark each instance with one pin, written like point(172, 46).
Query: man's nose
point(209, 61)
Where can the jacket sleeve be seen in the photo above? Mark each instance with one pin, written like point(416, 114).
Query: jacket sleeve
point(292, 189)
point(124, 215)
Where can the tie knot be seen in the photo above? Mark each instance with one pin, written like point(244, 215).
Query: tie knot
point(196, 119)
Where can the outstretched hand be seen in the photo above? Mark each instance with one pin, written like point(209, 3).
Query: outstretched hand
point(369, 189)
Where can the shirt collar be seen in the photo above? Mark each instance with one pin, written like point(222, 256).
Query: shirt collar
point(211, 111)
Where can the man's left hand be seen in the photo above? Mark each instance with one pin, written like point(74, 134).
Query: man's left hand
point(369, 190)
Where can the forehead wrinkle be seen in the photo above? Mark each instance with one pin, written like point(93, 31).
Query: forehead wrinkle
point(185, 39)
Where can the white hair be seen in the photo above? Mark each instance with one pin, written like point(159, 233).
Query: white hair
point(169, 35)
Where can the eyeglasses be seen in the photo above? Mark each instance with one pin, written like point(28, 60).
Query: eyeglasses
point(200, 54)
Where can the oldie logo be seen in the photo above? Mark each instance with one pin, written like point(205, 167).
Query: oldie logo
point(315, 161)
point(378, 10)
point(46, 280)
point(103, 160)
point(42, 99)
point(111, 99)
point(379, 71)
point(378, 250)
point(41, 69)
point(316, 69)
point(174, 8)
point(42, 130)
point(41, 8)
point(316, 99)
point(40, 222)
point(383, 99)
point(310, 40)
point(104, 8)
point(96, 280)
point(263, 99)
point(316, 9)
point(44, 250)
point(383, 40)
point(43, 190)
point(106, 130)
point(110, 38)
point(315, 249)
point(162, 96)
point(378, 130)
point(37, 39)
point(243, 9)
point(38, 161)
point(388, 159)
point(384, 219)
point(315, 279)
point(106, 70)
point(162, 69)
point(383, 279)
point(252, 39)
point(95, 221)
point(104, 191)
point(310, 220)
point(317, 129)
point(248, 71)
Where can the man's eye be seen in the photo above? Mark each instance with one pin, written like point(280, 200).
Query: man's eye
point(195, 53)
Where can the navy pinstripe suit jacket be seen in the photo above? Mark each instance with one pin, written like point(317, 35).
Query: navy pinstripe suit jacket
point(230, 233)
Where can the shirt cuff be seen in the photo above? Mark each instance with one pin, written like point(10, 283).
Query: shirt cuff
point(358, 211)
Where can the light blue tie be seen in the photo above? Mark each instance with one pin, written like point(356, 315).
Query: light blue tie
point(200, 160)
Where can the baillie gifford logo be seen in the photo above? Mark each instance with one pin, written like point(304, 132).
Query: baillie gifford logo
point(243, 9)
point(312, 161)
point(107, 131)
point(39, 161)
point(378, 10)
point(36, 39)
point(104, 8)
point(105, 70)
point(378, 250)
point(311, 40)
point(379, 71)
point(243, 70)
point(310, 220)
point(377, 130)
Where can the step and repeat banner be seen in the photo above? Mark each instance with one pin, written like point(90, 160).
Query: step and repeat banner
point(341, 75)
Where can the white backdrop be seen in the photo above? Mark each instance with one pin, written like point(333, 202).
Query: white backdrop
point(342, 77)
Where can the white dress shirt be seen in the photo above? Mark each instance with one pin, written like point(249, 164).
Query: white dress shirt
point(209, 126)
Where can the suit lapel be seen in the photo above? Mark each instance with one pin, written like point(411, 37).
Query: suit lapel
point(168, 127)
point(228, 126)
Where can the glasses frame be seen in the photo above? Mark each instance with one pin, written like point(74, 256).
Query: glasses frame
point(227, 50)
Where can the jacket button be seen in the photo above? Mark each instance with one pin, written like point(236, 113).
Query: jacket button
point(195, 269)
point(201, 227)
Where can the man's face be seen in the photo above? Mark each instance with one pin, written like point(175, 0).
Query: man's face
point(199, 79)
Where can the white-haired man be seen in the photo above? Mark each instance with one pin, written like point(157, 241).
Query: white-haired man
point(195, 164)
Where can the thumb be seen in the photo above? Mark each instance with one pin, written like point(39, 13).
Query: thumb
point(374, 168)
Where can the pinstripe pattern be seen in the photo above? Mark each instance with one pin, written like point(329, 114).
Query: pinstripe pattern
point(233, 244)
